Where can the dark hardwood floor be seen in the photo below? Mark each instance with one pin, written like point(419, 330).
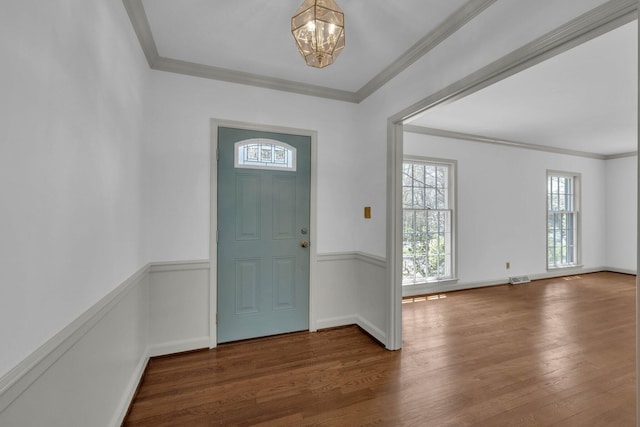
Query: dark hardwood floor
point(557, 352)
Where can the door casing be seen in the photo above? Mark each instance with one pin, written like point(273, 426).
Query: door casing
point(213, 223)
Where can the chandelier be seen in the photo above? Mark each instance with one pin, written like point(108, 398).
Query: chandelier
point(318, 28)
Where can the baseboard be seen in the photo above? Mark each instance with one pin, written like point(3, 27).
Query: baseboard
point(355, 319)
point(621, 270)
point(337, 321)
point(461, 286)
point(372, 330)
point(569, 271)
point(130, 392)
point(29, 373)
point(450, 287)
point(17, 380)
point(178, 346)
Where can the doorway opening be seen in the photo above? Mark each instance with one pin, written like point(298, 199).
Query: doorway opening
point(550, 45)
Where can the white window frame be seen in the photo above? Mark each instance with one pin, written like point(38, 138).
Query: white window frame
point(425, 285)
point(575, 211)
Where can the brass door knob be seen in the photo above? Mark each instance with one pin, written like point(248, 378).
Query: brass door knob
point(304, 244)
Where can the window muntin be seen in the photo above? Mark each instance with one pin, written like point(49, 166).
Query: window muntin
point(259, 153)
point(427, 203)
point(562, 220)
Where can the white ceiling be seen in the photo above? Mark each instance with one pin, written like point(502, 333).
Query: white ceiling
point(251, 35)
point(582, 100)
point(250, 41)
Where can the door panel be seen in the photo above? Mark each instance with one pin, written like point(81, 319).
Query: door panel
point(263, 215)
point(284, 207)
point(284, 289)
point(247, 291)
point(248, 207)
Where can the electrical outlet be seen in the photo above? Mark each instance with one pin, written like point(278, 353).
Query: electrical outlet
point(508, 265)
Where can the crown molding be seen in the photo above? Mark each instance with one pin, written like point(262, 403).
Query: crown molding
point(140, 23)
point(514, 144)
point(587, 26)
point(240, 77)
point(448, 27)
point(138, 17)
point(621, 156)
point(598, 21)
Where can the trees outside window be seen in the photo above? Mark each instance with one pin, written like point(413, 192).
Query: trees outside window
point(562, 219)
point(428, 221)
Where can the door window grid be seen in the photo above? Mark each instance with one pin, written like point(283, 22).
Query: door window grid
point(265, 154)
point(562, 221)
point(427, 222)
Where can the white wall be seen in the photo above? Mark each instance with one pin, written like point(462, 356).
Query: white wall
point(178, 186)
point(621, 217)
point(342, 292)
point(474, 46)
point(352, 141)
point(177, 153)
point(72, 82)
point(77, 185)
point(179, 312)
point(88, 373)
point(502, 206)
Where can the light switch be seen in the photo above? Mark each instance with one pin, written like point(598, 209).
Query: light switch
point(367, 212)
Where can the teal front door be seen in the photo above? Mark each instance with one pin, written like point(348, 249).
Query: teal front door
point(263, 233)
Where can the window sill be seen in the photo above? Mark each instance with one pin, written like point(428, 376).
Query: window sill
point(430, 287)
point(432, 282)
point(566, 267)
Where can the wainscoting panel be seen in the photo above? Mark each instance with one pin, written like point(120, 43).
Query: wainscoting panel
point(373, 295)
point(335, 299)
point(352, 289)
point(178, 307)
point(85, 375)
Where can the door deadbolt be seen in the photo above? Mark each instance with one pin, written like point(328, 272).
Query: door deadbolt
point(304, 231)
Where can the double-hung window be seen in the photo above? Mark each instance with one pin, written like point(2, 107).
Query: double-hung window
point(563, 221)
point(428, 221)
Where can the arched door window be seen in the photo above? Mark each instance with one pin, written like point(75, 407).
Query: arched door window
point(259, 153)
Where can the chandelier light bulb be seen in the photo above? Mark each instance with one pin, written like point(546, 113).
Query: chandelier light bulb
point(318, 29)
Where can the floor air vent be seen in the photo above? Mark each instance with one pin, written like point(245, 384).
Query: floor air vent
point(516, 280)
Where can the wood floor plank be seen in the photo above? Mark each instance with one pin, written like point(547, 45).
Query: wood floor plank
point(557, 352)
